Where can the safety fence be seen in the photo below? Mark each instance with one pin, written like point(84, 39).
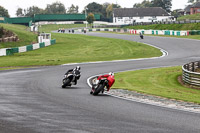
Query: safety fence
point(134, 31)
point(11, 51)
point(102, 29)
point(191, 73)
point(160, 32)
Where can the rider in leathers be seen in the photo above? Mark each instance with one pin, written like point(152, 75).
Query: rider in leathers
point(111, 79)
point(75, 71)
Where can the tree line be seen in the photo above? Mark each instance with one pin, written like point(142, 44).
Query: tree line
point(105, 9)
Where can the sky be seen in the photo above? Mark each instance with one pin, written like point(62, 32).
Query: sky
point(13, 5)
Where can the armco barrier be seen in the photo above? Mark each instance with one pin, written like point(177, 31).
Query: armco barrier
point(148, 32)
point(159, 32)
point(190, 76)
point(11, 51)
point(194, 32)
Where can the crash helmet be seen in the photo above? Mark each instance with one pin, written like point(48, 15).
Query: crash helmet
point(111, 73)
point(78, 68)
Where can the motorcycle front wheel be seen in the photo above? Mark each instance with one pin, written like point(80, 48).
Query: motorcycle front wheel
point(65, 82)
point(98, 90)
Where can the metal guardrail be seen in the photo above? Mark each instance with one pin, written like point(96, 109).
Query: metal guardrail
point(190, 74)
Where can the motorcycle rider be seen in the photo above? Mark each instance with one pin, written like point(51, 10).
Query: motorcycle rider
point(141, 35)
point(76, 72)
point(110, 77)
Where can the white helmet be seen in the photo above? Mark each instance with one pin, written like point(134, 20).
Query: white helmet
point(111, 73)
point(78, 68)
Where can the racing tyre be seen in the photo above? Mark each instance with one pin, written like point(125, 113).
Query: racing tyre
point(65, 82)
point(98, 90)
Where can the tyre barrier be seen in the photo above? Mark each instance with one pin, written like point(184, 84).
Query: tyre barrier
point(191, 73)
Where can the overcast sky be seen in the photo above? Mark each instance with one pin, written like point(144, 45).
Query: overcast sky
point(13, 5)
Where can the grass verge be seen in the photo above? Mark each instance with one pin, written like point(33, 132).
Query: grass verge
point(158, 81)
point(190, 17)
point(52, 27)
point(71, 48)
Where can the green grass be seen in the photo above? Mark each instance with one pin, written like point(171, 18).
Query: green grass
point(12, 68)
point(192, 26)
point(51, 27)
point(190, 17)
point(26, 37)
point(70, 48)
point(158, 81)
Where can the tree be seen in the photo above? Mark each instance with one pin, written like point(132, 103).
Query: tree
point(55, 8)
point(165, 4)
point(4, 12)
point(116, 6)
point(33, 10)
point(73, 9)
point(145, 3)
point(94, 8)
point(19, 12)
point(90, 18)
point(109, 9)
point(176, 13)
point(193, 1)
point(104, 13)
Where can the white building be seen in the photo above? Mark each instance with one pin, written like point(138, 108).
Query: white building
point(130, 15)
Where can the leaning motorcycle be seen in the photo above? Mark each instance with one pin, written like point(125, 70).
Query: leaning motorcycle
point(69, 79)
point(100, 87)
point(141, 36)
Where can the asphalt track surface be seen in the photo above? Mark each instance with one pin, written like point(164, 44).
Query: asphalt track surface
point(31, 100)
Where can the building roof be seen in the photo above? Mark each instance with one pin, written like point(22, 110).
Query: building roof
point(196, 5)
point(137, 12)
point(187, 9)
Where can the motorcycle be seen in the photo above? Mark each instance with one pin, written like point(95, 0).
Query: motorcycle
point(141, 36)
point(70, 79)
point(100, 87)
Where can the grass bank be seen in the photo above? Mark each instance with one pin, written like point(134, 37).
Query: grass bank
point(159, 81)
point(52, 27)
point(190, 17)
point(192, 26)
point(71, 48)
point(25, 36)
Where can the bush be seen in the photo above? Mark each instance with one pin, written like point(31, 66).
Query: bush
point(5, 33)
point(1, 32)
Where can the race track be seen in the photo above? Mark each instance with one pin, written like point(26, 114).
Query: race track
point(32, 100)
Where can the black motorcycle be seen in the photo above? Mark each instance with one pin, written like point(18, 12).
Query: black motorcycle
point(70, 79)
point(141, 36)
point(100, 87)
